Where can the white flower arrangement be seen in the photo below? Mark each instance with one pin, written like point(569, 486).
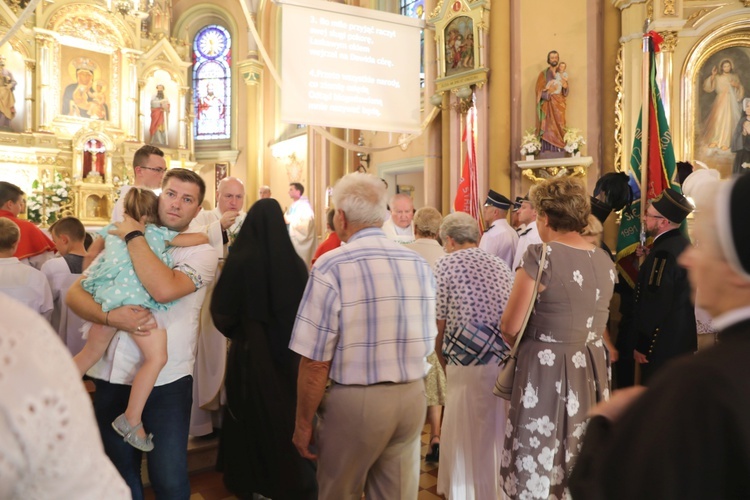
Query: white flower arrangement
point(530, 144)
point(573, 140)
point(57, 197)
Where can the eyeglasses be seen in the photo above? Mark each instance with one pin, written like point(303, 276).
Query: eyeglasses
point(655, 216)
point(160, 170)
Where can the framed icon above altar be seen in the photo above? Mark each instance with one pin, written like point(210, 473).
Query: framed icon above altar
point(460, 29)
point(85, 79)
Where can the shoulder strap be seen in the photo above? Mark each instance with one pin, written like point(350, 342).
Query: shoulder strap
point(542, 261)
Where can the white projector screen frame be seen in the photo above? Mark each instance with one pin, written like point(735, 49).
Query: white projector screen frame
point(349, 67)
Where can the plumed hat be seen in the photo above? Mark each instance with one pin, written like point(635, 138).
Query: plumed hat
point(600, 209)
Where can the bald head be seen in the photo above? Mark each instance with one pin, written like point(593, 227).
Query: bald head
point(231, 195)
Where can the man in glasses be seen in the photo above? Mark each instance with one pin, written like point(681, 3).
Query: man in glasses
point(664, 316)
point(149, 167)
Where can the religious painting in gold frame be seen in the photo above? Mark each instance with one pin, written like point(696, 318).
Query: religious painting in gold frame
point(85, 78)
point(459, 30)
point(717, 80)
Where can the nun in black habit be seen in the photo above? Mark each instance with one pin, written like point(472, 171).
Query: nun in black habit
point(254, 304)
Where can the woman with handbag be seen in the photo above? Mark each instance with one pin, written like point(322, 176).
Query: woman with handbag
point(562, 367)
point(472, 291)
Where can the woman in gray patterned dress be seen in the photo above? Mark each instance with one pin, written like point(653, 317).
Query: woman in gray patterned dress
point(472, 290)
point(562, 367)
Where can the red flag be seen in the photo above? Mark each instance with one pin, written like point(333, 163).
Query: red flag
point(467, 195)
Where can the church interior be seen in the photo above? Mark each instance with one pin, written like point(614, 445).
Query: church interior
point(86, 83)
point(216, 86)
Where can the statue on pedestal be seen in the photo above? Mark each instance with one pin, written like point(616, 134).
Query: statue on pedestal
point(7, 100)
point(551, 93)
point(159, 115)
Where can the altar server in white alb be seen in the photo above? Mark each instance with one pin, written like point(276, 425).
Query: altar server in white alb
point(222, 225)
point(21, 281)
point(500, 239)
point(69, 236)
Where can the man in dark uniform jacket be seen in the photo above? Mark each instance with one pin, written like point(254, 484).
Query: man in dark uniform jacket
point(688, 435)
point(664, 315)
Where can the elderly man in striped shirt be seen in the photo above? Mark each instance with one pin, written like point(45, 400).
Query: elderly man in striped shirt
point(367, 323)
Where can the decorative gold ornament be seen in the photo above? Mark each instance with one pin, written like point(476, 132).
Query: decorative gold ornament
point(552, 172)
point(92, 23)
point(669, 9)
point(618, 110)
point(670, 41)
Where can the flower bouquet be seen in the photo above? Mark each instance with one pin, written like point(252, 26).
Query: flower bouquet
point(56, 197)
point(530, 144)
point(573, 141)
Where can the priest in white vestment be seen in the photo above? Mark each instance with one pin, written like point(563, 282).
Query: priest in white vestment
point(300, 220)
point(400, 227)
point(222, 225)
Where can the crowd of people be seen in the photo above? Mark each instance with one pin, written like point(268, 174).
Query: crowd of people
point(321, 367)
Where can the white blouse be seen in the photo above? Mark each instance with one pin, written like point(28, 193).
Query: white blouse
point(50, 440)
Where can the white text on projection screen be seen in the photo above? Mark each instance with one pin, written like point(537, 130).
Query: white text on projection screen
point(349, 67)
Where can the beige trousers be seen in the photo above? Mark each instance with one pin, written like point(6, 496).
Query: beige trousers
point(369, 441)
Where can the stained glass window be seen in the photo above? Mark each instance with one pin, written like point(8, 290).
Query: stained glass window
point(415, 9)
point(212, 83)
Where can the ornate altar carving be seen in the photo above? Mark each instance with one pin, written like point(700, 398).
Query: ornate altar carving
point(538, 170)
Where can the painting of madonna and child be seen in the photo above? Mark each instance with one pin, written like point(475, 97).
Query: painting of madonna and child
point(722, 124)
point(85, 84)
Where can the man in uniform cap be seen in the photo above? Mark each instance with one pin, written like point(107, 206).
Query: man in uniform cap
point(515, 224)
point(645, 443)
point(664, 316)
point(500, 239)
point(530, 233)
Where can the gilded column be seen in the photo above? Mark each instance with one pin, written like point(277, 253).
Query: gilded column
point(251, 71)
point(30, 66)
point(45, 44)
point(664, 69)
point(182, 118)
point(336, 156)
point(504, 66)
point(141, 121)
point(433, 173)
point(131, 105)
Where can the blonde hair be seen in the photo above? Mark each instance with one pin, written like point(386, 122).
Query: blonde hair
point(593, 229)
point(427, 222)
point(563, 201)
point(140, 203)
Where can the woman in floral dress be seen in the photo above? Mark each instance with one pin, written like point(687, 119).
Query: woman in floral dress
point(562, 367)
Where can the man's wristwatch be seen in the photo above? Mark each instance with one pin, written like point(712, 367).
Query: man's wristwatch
point(131, 235)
